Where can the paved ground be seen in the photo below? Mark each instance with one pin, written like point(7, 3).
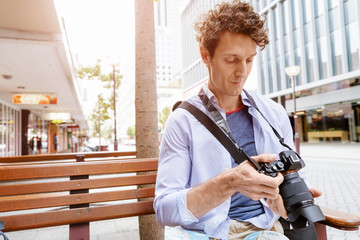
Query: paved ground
point(334, 168)
point(331, 167)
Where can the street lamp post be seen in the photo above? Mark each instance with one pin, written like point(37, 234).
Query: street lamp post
point(113, 61)
point(292, 72)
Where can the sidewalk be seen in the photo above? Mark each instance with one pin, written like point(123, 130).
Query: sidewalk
point(125, 228)
point(334, 169)
point(331, 167)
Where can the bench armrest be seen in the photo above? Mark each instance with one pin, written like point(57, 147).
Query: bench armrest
point(340, 220)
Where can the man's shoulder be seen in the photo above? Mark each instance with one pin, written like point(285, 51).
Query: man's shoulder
point(179, 115)
point(268, 107)
point(263, 100)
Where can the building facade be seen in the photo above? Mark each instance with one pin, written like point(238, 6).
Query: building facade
point(10, 127)
point(322, 37)
point(38, 90)
point(168, 51)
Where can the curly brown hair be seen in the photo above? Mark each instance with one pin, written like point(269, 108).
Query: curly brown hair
point(236, 17)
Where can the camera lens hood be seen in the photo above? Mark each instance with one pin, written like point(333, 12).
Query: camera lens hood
point(311, 213)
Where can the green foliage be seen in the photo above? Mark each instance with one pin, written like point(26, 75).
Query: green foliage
point(163, 116)
point(100, 114)
point(94, 72)
point(90, 72)
point(131, 131)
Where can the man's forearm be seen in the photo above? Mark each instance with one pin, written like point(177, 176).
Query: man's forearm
point(210, 194)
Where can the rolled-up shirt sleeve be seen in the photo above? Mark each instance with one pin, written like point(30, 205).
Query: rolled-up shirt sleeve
point(173, 176)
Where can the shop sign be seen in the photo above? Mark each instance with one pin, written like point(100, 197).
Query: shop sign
point(30, 98)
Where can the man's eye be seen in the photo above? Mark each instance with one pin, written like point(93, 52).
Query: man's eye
point(230, 60)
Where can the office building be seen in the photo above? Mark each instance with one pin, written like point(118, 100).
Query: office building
point(168, 51)
point(322, 37)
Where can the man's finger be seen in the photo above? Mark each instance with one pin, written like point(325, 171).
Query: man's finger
point(315, 192)
point(265, 157)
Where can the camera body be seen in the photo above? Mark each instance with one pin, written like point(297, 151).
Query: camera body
point(298, 201)
point(289, 161)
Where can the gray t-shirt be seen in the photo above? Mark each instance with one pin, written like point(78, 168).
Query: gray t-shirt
point(240, 123)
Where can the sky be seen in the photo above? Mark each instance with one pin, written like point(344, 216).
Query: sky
point(98, 28)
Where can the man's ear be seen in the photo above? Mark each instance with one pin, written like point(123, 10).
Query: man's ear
point(205, 55)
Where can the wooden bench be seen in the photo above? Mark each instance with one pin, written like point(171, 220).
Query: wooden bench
point(74, 194)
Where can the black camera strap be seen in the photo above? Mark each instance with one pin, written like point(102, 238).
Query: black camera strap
point(281, 139)
point(237, 154)
point(220, 128)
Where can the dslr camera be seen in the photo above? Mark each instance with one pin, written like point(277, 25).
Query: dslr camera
point(298, 201)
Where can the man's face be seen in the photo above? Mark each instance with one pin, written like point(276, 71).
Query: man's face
point(230, 65)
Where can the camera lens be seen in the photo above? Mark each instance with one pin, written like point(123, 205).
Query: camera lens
point(298, 200)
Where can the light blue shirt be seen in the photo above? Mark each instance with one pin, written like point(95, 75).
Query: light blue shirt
point(190, 155)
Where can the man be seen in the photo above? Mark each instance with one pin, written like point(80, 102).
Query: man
point(199, 186)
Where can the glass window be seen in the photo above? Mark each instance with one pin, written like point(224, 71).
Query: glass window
point(320, 23)
point(295, 14)
point(350, 11)
point(307, 32)
point(298, 62)
point(333, 3)
point(322, 51)
point(276, 30)
point(309, 62)
point(270, 77)
point(352, 37)
point(336, 47)
point(278, 71)
point(296, 38)
point(306, 10)
point(334, 19)
point(262, 79)
point(319, 7)
point(286, 46)
point(352, 34)
point(285, 16)
point(287, 63)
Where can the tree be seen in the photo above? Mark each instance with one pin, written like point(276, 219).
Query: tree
point(131, 131)
point(146, 101)
point(95, 72)
point(163, 116)
point(99, 115)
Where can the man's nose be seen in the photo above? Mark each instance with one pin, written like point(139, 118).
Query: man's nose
point(240, 69)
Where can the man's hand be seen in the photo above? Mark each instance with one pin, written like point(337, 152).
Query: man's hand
point(277, 206)
point(253, 184)
point(315, 192)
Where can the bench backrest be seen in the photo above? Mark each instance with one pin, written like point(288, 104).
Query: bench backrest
point(74, 192)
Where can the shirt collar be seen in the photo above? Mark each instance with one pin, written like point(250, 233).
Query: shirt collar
point(246, 101)
point(210, 94)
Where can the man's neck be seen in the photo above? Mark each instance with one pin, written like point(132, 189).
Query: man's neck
point(229, 104)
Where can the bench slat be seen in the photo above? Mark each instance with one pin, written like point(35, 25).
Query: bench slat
point(66, 200)
point(50, 157)
point(339, 219)
point(79, 215)
point(75, 169)
point(31, 188)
